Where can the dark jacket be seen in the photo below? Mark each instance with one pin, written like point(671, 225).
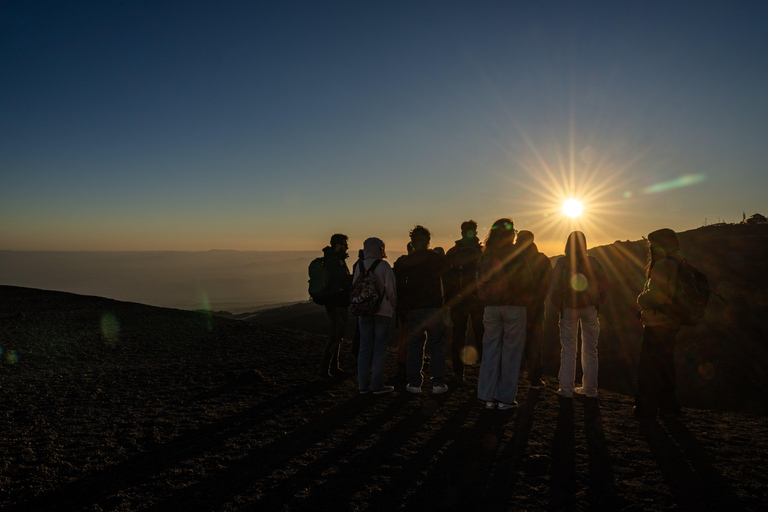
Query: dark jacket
point(594, 289)
point(505, 279)
point(420, 279)
point(542, 270)
point(461, 267)
point(340, 276)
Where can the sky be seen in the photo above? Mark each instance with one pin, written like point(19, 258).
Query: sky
point(161, 125)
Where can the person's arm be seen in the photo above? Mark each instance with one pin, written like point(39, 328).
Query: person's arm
point(603, 284)
point(553, 288)
point(661, 285)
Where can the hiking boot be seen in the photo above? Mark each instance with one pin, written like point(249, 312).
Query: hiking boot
point(439, 389)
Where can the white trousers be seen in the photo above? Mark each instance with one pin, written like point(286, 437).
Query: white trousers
point(590, 331)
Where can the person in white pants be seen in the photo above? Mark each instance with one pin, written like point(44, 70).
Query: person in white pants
point(577, 287)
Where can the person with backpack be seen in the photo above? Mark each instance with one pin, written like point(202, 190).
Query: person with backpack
point(329, 285)
point(373, 279)
point(504, 282)
point(656, 372)
point(577, 287)
point(534, 323)
point(461, 297)
point(422, 285)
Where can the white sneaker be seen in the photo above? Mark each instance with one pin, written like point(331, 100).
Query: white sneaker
point(438, 389)
point(413, 389)
point(505, 407)
point(490, 405)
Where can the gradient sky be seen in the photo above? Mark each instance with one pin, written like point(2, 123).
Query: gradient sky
point(153, 125)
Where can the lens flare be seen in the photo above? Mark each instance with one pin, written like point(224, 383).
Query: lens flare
point(469, 354)
point(11, 357)
point(579, 282)
point(110, 328)
point(682, 181)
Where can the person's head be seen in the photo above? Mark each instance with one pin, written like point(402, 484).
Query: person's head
point(420, 237)
point(439, 250)
point(374, 248)
point(664, 240)
point(339, 242)
point(501, 235)
point(576, 249)
point(661, 243)
point(468, 229)
point(524, 239)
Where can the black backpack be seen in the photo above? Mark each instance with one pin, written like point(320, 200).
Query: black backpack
point(320, 287)
point(691, 295)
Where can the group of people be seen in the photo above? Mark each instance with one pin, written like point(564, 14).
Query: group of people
point(499, 289)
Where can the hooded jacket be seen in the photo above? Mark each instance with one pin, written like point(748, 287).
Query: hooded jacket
point(340, 276)
point(373, 250)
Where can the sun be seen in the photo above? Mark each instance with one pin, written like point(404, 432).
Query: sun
point(572, 208)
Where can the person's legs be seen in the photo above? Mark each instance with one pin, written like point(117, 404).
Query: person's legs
point(459, 316)
point(490, 367)
point(365, 357)
point(668, 402)
point(417, 320)
point(590, 332)
point(338, 318)
point(569, 328)
point(476, 310)
point(381, 337)
point(534, 337)
point(436, 332)
point(649, 373)
point(513, 344)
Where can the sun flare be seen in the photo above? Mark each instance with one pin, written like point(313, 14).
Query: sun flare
point(572, 208)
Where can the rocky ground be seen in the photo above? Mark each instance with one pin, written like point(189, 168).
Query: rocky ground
point(118, 406)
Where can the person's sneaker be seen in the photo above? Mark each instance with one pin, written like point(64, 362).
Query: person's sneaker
point(385, 389)
point(505, 407)
point(363, 391)
point(413, 389)
point(490, 405)
point(439, 389)
point(580, 393)
point(540, 384)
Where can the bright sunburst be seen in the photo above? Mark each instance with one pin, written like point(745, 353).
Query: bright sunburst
point(572, 208)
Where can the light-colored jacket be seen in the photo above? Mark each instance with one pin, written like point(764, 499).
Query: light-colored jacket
point(658, 290)
point(385, 278)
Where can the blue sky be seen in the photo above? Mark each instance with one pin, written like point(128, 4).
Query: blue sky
point(272, 125)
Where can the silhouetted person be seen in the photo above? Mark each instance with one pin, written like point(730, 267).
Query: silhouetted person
point(534, 325)
point(656, 373)
point(577, 287)
point(461, 296)
point(374, 329)
point(401, 313)
point(504, 285)
point(422, 273)
point(336, 307)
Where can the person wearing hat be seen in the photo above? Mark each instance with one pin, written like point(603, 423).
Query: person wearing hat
point(656, 372)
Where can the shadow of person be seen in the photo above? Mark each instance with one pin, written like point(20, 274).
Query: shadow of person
point(562, 491)
point(692, 480)
point(602, 493)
